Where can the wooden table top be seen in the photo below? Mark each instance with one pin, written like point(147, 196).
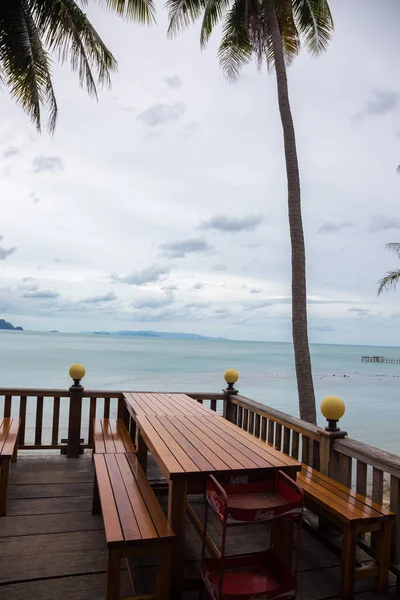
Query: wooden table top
point(166, 404)
point(199, 444)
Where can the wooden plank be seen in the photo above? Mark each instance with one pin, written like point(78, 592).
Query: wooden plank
point(160, 522)
point(56, 420)
point(48, 506)
point(295, 444)
point(395, 507)
point(112, 526)
point(7, 406)
point(333, 487)
point(286, 440)
point(107, 436)
point(39, 420)
point(236, 447)
point(387, 462)
point(50, 491)
point(240, 416)
point(377, 485)
point(22, 416)
point(278, 437)
point(166, 461)
point(142, 517)
point(98, 439)
point(257, 426)
point(316, 456)
point(264, 423)
point(213, 405)
point(106, 413)
point(23, 525)
point(117, 438)
point(12, 437)
point(361, 478)
point(245, 425)
point(251, 422)
point(161, 426)
point(218, 455)
point(278, 459)
point(189, 447)
point(379, 508)
point(328, 501)
point(92, 416)
point(126, 438)
point(345, 466)
point(305, 450)
point(271, 429)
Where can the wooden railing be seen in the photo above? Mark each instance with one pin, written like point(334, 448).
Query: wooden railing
point(213, 401)
point(288, 434)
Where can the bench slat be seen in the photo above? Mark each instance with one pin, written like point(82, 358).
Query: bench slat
point(327, 500)
point(129, 446)
point(381, 509)
point(116, 434)
point(11, 428)
point(110, 514)
point(330, 486)
point(143, 518)
point(98, 441)
point(159, 519)
point(127, 517)
point(108, 436)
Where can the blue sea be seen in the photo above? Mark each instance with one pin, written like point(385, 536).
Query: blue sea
point(371, 391)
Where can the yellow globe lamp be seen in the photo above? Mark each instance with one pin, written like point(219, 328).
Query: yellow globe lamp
point(231, 376)
point(333, 409)
point(77, 372)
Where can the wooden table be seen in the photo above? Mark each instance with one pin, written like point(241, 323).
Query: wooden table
point(188, 442)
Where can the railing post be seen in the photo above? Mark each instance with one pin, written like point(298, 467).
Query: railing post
point(333, 409)
point(230, 410)
point(77, 372)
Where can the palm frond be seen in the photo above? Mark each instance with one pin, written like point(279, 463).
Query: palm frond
point(213, 13)
point(314, 23)
point(389, 281)
point(289, 33)
point(25, 65)
point(183, 13)
point(393, 247)
point(67, 30)
point(142, 11)
point(235, 49)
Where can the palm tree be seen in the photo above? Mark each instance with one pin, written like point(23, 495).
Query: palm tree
point(271, 31)
point(390, 280)
point(31, 30)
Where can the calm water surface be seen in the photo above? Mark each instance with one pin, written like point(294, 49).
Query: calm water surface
point(371, 391)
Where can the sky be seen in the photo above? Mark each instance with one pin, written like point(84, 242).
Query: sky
point(164, 205)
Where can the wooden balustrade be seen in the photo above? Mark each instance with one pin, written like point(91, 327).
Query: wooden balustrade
point(288, 434)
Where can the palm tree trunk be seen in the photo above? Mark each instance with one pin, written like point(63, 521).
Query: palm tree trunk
point(305, 384)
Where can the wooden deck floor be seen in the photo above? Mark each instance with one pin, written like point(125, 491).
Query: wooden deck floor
point(52, 548)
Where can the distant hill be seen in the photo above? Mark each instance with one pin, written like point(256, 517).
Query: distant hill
point(6, 325)
point(168, 335)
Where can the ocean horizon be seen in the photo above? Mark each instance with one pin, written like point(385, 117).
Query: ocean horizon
point(371, 391)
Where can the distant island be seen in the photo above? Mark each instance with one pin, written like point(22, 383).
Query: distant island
point(161, 334)
point(6, 325)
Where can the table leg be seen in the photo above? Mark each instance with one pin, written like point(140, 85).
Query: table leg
point(141, 451)
point(4, 469)
point(177, 498)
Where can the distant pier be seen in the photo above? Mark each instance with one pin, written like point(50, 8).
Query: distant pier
point(381, 359)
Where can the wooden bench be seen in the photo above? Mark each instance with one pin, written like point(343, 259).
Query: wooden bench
point(110, 436)
point(353, 514)
point(133, 519)
point(9, 428)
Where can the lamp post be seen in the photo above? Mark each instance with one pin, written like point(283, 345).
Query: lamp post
point(230, 410)
point(76, 372)
point(333, 409)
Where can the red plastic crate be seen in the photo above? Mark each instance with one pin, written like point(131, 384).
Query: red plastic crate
point(259, 576)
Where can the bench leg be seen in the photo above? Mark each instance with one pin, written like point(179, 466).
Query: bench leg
point(96, 505)
point(4, 471)
point(164, 573)
point(383, 556)
point(113, 574)
point(15, 453)
point(348, 570)
point(141, 452)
